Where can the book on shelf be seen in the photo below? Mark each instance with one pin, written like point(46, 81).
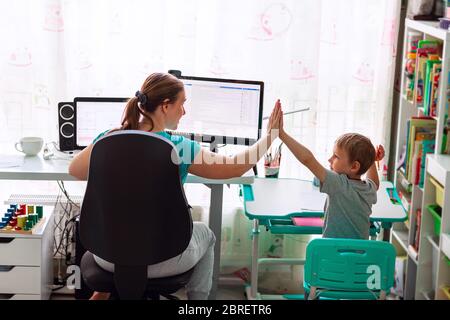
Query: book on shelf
point(419, 129)
point(430, 67)
point(426, 48)
point(421, 149)
point(428, 146)
point(445, 148)
point(406, 203)
point(416, 159)
point(416, 229)
point(399, 276)
point(406, 185)
point(412, 252)
point(434, 94)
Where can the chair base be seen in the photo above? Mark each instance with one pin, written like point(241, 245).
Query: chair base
point(101, 280)
point(328, 294)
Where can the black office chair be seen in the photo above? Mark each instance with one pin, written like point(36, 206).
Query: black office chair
point(134, 214)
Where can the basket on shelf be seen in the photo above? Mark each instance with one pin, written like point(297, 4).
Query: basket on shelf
point(446, 292)
point(439, 192)
point(436, 212)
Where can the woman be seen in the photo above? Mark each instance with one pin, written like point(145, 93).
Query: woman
point(159, 106)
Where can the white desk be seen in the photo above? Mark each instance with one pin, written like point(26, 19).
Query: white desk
point(36, 168)
point(268, 199)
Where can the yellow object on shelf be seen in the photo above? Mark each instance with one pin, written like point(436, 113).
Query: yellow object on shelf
point(446, 291)
point(439, 192)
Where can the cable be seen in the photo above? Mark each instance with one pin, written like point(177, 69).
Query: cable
point(64, 191)
point(55, 153)
point(65, 233)
point(59, 228)
point(56, 226)
point(59, 288)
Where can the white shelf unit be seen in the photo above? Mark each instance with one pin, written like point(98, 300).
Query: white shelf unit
point(425, 275)
point(433, 273)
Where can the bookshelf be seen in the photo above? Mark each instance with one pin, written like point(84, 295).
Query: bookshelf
point(427, 272)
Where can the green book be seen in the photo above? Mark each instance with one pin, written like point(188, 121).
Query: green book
point(428, 83)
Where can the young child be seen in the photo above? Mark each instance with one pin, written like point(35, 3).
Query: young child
point(350, 198)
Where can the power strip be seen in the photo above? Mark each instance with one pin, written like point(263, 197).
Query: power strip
point(41, 199)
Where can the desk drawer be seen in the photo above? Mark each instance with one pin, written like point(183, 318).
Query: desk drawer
point(20, 251)
point(286, 226)
point(21, 280)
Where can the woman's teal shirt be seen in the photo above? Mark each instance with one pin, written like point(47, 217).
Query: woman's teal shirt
point(186, 148)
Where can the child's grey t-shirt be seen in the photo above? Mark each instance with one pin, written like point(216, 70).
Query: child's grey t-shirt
point(348, 206)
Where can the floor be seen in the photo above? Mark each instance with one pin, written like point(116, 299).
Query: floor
point(225, 292)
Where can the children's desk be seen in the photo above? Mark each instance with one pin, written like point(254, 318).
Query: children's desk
point(273, 202)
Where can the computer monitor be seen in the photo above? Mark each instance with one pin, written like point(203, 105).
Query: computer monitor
point(222, 108)
point(94, 116)
point(222, 111)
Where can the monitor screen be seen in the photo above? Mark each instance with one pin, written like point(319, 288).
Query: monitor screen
point(222, 107)
point(96, 115)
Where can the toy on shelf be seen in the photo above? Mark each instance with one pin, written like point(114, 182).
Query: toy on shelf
point(410, 68)
point(21, 219)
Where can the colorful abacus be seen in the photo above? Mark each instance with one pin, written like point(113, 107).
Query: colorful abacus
point(21, 219)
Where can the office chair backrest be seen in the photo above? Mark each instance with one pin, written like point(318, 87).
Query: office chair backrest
point(134, 212)
point(350, 265)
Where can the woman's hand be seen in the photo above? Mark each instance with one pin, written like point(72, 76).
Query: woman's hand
point(273, 127)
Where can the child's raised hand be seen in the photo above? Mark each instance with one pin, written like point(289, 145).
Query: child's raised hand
point(379, 153)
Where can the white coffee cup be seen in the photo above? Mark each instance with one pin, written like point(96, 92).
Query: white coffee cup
point(30, 145)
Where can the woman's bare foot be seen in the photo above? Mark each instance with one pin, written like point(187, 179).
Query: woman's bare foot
point(100, 296)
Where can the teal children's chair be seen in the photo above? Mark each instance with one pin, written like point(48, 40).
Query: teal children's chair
point(348, 269)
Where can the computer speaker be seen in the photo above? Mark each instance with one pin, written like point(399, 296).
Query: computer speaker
point(66, 124)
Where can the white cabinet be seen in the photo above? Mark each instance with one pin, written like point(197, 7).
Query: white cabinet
point(433, 272)
point(26, 262)
point(427, 270)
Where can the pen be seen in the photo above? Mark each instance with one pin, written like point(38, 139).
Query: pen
point(290, 112)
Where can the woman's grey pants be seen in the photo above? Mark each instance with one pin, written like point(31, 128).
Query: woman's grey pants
point(199, 253)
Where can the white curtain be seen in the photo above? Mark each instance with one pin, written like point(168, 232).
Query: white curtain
point(335, 56)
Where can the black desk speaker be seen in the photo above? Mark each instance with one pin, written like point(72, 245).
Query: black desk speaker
point(66, 125)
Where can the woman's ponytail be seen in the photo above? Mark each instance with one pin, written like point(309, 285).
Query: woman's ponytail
point(157, 88)
point(131, 115)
